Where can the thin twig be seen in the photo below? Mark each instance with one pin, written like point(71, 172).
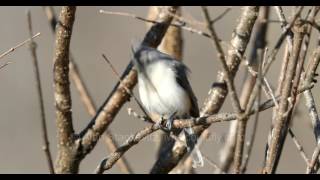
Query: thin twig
point(314, 160)
point(299, 146)
point(175, 24)
point(121, 83)
point(131, 112)
point(32, 47)
point(257, 103)
point(284, 23)
point(220, 16)
point(250, 98)
point(270, 91)
point(5, 64)
point(109, 161)
point(19, 45)
point(278, 44)
point(213, 164)
point(215, 41)
point(230, 84)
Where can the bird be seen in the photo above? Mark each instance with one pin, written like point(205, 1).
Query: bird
point(165, 91)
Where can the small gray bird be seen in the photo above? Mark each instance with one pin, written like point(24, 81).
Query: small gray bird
point(165, 91)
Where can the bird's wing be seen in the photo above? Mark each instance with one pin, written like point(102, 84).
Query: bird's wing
point(182, 76)
point(182, 79)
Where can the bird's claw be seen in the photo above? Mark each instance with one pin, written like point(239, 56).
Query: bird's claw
point(169, 123)
point(167, 127)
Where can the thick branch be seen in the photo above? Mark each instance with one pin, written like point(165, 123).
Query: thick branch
point(85, 96)
point(65, 160)
point(281, 119)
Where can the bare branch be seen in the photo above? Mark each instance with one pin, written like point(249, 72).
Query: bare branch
point(18, 45)
point(32, 47)
point(284, 23)
point(299, 146)
point(213, 164)
point(120, 81)
point(259, 39)
point(279, 131)
point(5, 64)
point(278, 44)
point(229, 81)
point(225, 12)
point(315, 158)
point(109, 161)
point(311, 105)
point(181, 24)
point(66, 160)
point(218, 92)
point(85, 95)
point(249, 144)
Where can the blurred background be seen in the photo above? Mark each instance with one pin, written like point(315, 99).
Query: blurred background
point(93, 34)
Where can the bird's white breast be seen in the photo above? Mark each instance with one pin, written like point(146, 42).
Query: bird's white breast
point(166, 96)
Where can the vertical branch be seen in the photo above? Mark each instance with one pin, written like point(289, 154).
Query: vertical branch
point(228, 79)
point(288, 52)
point(239, 41)
point(310, 102)
point(65, 159)
point(259, 42)
point(218, 92)
point(283, 24)
point(281, 121)
point(256, 117)
point(33, 46)
point(311, 105)
point(304, 31)
point(85, 95)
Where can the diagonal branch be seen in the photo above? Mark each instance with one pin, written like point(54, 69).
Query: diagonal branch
point(218, 92)
point(229, 81)
point(18, 45)
point(109, 109)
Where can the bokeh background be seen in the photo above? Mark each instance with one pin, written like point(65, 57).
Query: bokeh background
point(94, 34)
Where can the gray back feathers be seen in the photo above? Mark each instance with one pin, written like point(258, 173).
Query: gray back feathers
point(145, 56)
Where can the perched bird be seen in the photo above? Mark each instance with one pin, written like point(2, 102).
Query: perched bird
point(165, 91)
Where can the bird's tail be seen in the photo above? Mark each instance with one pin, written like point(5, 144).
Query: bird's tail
point(191, 140)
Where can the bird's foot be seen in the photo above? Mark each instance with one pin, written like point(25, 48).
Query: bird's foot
point(167, 127)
